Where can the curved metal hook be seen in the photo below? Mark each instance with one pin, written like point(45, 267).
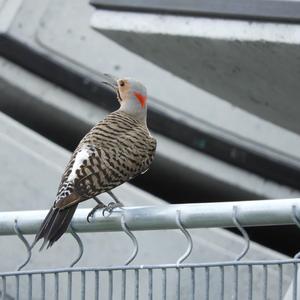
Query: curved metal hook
point(25, 242)
point(242, 231)
point(297, 222)
point(80, 245)
point(188, 237)
point(133, 239)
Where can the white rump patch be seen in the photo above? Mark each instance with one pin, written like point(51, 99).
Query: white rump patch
point(82, 155)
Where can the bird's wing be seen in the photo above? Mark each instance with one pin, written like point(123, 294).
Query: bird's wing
point(95, 169)
point(110, 167)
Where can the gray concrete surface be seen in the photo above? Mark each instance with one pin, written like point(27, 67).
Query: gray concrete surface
point(39, 95)
point(249, 70)
point(68, 40)
point(31, 167)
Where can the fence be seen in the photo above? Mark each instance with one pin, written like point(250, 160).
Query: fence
point(276, 279)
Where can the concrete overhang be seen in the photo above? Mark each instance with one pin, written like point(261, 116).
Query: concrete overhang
point(43, 102)
point(253, 65)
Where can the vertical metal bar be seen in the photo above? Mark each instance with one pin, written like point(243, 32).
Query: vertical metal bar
point(193, 287)
point(29, 286)
point(250, 282)
point(265, 286)
point(295, 283)
point(206, 283)
point(236, 283)
point(280, 282)
point(56, 286)
point(123, 288)
point(82, 285)
point(222, 283)
point(178, 283)
point(43, 286)
point(3, 287)
point(96, 285)
point(110, 285)
point(164, 284)
point(150, 284)
point(137, 284)
point(69, 292)
point(17, 287)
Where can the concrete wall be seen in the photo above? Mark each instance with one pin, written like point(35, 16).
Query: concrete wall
point(249, 70)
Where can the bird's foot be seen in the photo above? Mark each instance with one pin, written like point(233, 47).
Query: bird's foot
point(110, 207)
point(92, 212)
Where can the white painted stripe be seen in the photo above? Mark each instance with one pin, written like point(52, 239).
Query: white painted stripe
point(212, 28)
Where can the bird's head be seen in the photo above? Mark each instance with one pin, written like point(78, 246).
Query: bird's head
point(132, 96)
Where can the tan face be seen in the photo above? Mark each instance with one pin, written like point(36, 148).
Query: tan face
point(123, 89)
point(132, 94)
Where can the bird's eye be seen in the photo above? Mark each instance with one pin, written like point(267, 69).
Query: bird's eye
point(122, 83)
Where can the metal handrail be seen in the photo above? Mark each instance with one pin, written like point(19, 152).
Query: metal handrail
point(201, 215)
point(180, 217)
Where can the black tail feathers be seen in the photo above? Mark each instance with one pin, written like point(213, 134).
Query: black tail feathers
point(54, 225)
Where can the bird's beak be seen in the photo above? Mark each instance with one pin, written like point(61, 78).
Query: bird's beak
point(111, 81)
point(110, 84)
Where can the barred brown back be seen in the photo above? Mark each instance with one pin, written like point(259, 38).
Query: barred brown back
point(117, 149)
point(114, 151)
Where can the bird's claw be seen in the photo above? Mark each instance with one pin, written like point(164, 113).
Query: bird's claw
point(90, 215)
point(106, 212)
point(92, 212)
point(109, 208)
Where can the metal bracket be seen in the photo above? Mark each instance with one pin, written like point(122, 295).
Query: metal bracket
point(80, 246)
point(188, 237)
point(242, 231)
point(133, 239)
point(25, 242)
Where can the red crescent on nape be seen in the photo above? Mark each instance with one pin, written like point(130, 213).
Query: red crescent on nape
point(142, 99)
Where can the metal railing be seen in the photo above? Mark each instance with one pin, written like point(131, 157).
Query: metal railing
point(219, 280)
point(268, 279)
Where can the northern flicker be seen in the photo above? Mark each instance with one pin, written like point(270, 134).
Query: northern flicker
point(114, 151)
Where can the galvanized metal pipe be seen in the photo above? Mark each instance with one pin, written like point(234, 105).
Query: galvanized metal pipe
point(250, 213)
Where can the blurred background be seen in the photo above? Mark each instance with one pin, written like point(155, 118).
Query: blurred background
point(223, 87)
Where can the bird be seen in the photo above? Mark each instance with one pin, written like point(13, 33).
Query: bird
point(117, 149)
